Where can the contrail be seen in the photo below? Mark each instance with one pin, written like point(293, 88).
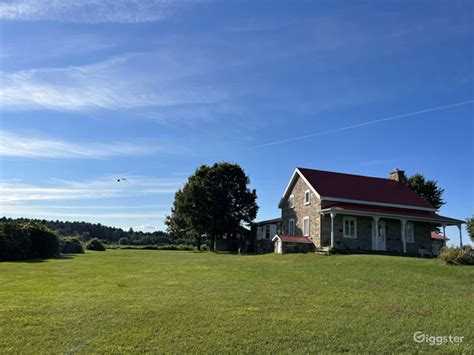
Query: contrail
point(366, 123)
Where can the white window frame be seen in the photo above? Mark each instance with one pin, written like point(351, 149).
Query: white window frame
point(306, 232)
point(349, 219)
point(410, 237)
point(291, 201)
point(307, 193)
point(291, 226)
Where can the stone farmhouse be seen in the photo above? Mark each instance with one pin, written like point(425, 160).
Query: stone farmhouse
point(322, 210)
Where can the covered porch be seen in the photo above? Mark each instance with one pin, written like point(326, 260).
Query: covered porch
point(382, 229)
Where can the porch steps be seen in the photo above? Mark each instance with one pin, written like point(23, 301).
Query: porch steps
point(323, 251)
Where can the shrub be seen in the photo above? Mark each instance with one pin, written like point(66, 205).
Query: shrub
point(124, 241)
point(204, 247)
point(95, 244)
point(71, 246)
point(176, 247)
point(27, 241)
point(457, 256)
point(44, 243)
point(14, 244)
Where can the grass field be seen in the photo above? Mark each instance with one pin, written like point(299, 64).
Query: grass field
point(172, 301)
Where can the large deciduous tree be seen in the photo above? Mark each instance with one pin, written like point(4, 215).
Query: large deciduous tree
point(215, 200)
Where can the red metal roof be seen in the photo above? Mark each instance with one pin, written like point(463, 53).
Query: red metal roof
point(362, 188)
point(437, 236)
point(295, 239)
point(396, 212)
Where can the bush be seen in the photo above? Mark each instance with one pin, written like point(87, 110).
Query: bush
point(124, 241)
point(95, 244)
point(176, 247)
point(44, 243)
point(71, 246)
point(457, 256)
point(27, 241)
point(14, 244)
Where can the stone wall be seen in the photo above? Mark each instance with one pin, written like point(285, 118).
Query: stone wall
point(422, 232)
point(422, 238)
point(300, 210)
point(297, 248)
point(364, 233)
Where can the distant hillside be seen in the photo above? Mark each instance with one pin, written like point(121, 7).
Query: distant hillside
point(86, 231)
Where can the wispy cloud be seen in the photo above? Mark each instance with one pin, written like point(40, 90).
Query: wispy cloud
point(117, 83)
point(14, 145)
point(362, 124)
point(101, 188)
point(86, 11)
point(145, 228)
point(46, 213)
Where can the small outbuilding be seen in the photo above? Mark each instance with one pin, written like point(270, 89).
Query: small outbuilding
point(292, 244)
point(439, 242)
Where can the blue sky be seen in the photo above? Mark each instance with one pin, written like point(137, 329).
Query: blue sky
point(96, 90)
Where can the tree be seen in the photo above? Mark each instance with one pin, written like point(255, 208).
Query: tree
point(470, 227)
point(215, 200)
point(427, 189)
point(124, 241)
point(95, 244)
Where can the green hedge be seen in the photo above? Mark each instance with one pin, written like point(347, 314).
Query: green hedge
point(95, 244)
point(71, 246)
point(29, 240)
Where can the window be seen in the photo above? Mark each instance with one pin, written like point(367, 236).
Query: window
point(409, 233)
point(267, 232)
point(291, 227)
point(350, 227)
point(291, 201)
point(307, 197)
point(306, 226)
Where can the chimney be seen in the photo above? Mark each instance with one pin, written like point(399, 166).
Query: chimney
point(397, 175)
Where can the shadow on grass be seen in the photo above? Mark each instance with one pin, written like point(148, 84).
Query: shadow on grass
point(35, 261)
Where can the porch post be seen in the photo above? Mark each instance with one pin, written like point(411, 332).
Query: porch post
point(460, 234)
point(404, 222)
point(333, 214)
point(444, 230)
point(376, 223)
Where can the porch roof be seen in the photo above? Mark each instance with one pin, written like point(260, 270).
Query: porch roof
point(389, 212)
point(437, 236)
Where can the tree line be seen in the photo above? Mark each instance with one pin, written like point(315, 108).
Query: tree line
point(85, 231)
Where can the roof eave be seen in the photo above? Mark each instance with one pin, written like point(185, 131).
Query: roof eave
point(448, 221)
point(380, 204)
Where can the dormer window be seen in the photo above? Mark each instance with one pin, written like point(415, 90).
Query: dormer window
point(307, 197)
point(291, 201)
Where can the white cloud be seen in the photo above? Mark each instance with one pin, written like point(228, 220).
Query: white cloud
point(104, 187)
point(45, 213)
point(144, 228)
point(86, 11)
point(129, 81)
point(13, 145)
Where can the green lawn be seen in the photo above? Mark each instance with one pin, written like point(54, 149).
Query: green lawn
point(171, 301)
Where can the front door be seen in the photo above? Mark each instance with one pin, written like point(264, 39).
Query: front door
point(379, 236)
point(278, 246)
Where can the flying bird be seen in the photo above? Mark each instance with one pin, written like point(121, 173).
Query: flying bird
point(121, 179)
